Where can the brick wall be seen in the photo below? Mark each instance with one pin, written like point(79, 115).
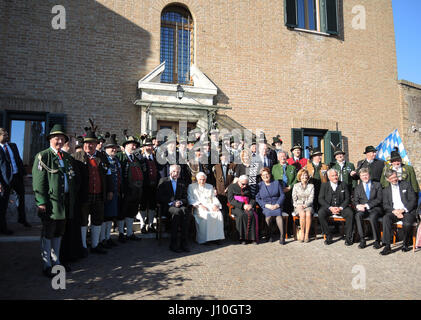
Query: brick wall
point(272, 77)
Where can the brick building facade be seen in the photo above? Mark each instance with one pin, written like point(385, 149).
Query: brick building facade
point(250, 68)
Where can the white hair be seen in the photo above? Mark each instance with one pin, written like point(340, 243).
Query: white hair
point(174, 166)
point(200, 174)
point(243, 177)
point(331, 170)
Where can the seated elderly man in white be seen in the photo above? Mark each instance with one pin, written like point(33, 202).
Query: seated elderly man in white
point(207, 210)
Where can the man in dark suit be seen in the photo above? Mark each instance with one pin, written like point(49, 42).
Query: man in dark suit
point(375, 166)
point(11, 177)
point(368, 203)
point(399, 203)
point(172, 196)
point(334, 199)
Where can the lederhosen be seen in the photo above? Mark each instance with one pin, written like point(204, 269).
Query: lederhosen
point(133, 179)
point(151, 183)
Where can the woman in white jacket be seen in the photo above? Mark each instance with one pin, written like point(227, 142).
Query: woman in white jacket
point(207, 210)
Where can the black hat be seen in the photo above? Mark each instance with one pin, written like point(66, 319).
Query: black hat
point(336, 149)
point(314, 152)
point(147, 142)
point(297, 146)
point(57, 129)
point(395, 155)
point(110, 140)
point(101, 138)
point(90, 136)
point(338, 152)
point(131, 139)
point(276, 140)
point(370, 149)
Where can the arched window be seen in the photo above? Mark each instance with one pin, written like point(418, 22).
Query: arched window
point(176, 44)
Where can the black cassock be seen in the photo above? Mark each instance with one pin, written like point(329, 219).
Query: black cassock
point(246, 223)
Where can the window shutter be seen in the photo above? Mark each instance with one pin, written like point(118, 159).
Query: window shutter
point(55, 118)
point(297, 137)
point(290, 13)
point(335, 137)
point(331, 16)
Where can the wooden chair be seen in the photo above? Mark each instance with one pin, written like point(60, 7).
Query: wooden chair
point(296, 217)
point(336, 218)
point(380, 221)
point(399, 225)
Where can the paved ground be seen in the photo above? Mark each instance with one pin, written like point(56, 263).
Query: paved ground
point(145, 270)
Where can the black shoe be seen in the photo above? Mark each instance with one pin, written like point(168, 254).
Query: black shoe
point(111, 243)
point(133, 238)
point(405, 248)
point(25, 223)
point(47, 272)
point(143, 230)
point(174, 249)
point(362, 244)
point(328, 240)
point(377, 245)
point(387, 250)
point(122, 238)
point(105, 244)
point(98, 250)
point(7, 232)
point(218, 242)
point(282, 242)
point(348, 242)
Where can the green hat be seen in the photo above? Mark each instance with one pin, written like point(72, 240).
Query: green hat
point(297, 146)
point(395, 155)
point(370, 149)
point(57, 129)
point(90, 136)
point(110, 141)
point(315, 152)
point(276, 139)
point(131, 139)
point(339, 151)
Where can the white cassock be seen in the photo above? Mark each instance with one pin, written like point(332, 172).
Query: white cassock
point(209, 224)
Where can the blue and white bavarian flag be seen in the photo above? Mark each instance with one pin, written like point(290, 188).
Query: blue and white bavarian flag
point(388, 145)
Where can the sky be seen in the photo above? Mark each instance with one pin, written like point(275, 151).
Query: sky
point(407, 21)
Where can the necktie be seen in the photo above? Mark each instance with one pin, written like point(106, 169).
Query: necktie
point(367, 191)
point(60, 155)
point(284, 177)
point(6, 151)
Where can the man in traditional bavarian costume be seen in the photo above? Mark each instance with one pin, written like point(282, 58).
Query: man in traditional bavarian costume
point(96, 176)
point(404, 172)
point(345, 169)
point(134, 171)
point(297, 160)
point(148, 203)
point(112, 206)
point(53, 185)
point(317, 172)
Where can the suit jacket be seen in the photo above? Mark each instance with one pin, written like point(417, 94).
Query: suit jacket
point(376, 195)
point(221, 183)
point(408, 197)
point(291, 173)
point(165, 193)
point(48, 183)
point(5, 163)
point(375, 168)
point(408, 174)
point(326, 195)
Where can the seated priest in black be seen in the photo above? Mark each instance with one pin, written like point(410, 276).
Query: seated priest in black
point(368, 204)
point(334, 199)
point(399, 204)
point(172, 196)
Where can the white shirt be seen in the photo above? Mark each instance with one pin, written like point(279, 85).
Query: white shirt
point(333, 185)
point(396, 198)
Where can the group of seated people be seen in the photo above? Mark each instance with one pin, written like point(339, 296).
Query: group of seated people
point(256, 201)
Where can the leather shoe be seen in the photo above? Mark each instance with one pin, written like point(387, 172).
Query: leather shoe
point(174, 249)
point(282, 242)
point(387, 250)
point(405, 248)
point(98, 250)
point(362, 244)
point(47, 272)
point(25, 224)
point(328, 240)
point(133, 238)
point(377, 245)
point(121, 238)
point(348, 242)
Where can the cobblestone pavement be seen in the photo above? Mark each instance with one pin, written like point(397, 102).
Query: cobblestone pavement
point(146, 270)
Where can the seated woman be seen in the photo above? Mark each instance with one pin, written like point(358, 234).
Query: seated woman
point(207, 210)
point(302, 197)
point(270, 198)
point(239, 196)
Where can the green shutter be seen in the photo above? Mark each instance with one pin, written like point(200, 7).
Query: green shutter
point(335, 137)
point(290, 13)
point(297, 137)
point(323, 22)
point(331, 18)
